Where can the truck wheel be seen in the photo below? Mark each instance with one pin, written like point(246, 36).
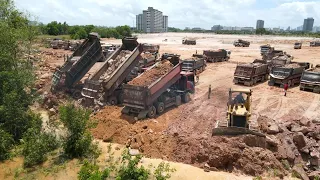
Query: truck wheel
point(160, 107)
point(76, 94)
point(113, 100)
point(271, 83)
point(186, 97)
point(289, 83)
point(152, 112)
point(120, 98)
point(262, 79)
point(178, 100)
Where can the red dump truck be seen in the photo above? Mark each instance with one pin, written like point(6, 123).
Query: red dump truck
point(289, 73)
point(106, 83)
point(251, 73)
point(216, 55)
point(169, 90)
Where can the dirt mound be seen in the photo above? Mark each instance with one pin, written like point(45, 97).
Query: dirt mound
point(150, 76)
point(292, 65)
point(146, 55)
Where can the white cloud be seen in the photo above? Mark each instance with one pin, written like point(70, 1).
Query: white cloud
point(182, 13)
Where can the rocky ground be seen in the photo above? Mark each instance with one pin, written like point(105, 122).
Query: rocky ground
point(183, 134)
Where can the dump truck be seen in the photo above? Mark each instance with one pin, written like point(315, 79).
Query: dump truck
point(315, 43)
point(272, 53)
point(251, 73)
point(241, 43)
point(57, 44)
point(216, 55)
point(74, 69)
point(310, 79)
point(264, 49)
point(194, 64)
point(189, 42)
point(148, 100)
point(149, 56)
point(289, 73)
point(297, 45)
point(173, 58)
point(106, 83)
point(239, 118)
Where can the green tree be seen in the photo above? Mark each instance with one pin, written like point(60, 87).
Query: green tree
point(36, 145)
point(78, 142)
point(6, 142)
point(88, 28)
point(53, 28)
point(16, 71)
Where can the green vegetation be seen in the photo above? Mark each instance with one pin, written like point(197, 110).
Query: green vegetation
point(36, 146)
point(80, 32)
point(78, 142)
point(127, 168)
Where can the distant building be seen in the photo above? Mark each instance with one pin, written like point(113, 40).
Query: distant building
point(260, 24)
point(316, 29)
point(308, 24)
point(288, 29)
point(152, 21)
point(247, 29)
point(276, 29)
point(216, 28)
point(165, 24)
point(196, 29)
point(299, 28)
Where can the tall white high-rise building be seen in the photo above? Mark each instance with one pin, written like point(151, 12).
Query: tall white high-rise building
point(152, 21)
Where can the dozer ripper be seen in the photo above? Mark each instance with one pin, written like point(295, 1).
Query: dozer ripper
point(239, 118)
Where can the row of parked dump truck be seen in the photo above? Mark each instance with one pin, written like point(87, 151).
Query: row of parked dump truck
point(279, 69)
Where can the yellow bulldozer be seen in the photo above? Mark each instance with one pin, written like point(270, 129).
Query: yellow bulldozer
point(238, 120)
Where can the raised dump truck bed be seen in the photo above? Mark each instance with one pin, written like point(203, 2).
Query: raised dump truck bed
point(113, 73)
point(74, 69)
point(216, 55)
point(251, 73)
point(310, 79)
point(157, 89)
point(289, 73)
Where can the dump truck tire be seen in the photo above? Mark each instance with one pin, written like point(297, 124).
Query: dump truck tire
point(113, 100)
point(76, 94)
point(178, 100)
point(152, 112)
point(160, 107)
point(186, 97)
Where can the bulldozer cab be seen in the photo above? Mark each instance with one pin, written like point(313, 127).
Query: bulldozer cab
point(238, 114)
point(239, 107)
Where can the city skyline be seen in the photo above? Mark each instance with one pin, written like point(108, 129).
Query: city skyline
point(202, 13)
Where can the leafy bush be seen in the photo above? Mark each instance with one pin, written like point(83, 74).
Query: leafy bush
point(91, 171)
point(129, 168)
point(163, 171)
point(78, 142)
point(6, 142)
point(36, 146)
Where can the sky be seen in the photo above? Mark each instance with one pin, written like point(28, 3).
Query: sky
point(182, 13)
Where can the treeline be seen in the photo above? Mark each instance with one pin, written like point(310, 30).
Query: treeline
point(262, 31)
point(80, 32)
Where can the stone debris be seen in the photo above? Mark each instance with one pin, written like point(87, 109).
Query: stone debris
point(113, 64)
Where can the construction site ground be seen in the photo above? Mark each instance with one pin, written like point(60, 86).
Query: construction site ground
point(183, 134)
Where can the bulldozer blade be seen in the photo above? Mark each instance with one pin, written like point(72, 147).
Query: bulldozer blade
point(220, 131)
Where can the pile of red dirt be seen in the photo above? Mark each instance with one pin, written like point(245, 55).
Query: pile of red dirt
point(150, 76)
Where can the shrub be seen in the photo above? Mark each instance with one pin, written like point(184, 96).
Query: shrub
point(36, 146)
point(6, 142)
point(78, 142)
